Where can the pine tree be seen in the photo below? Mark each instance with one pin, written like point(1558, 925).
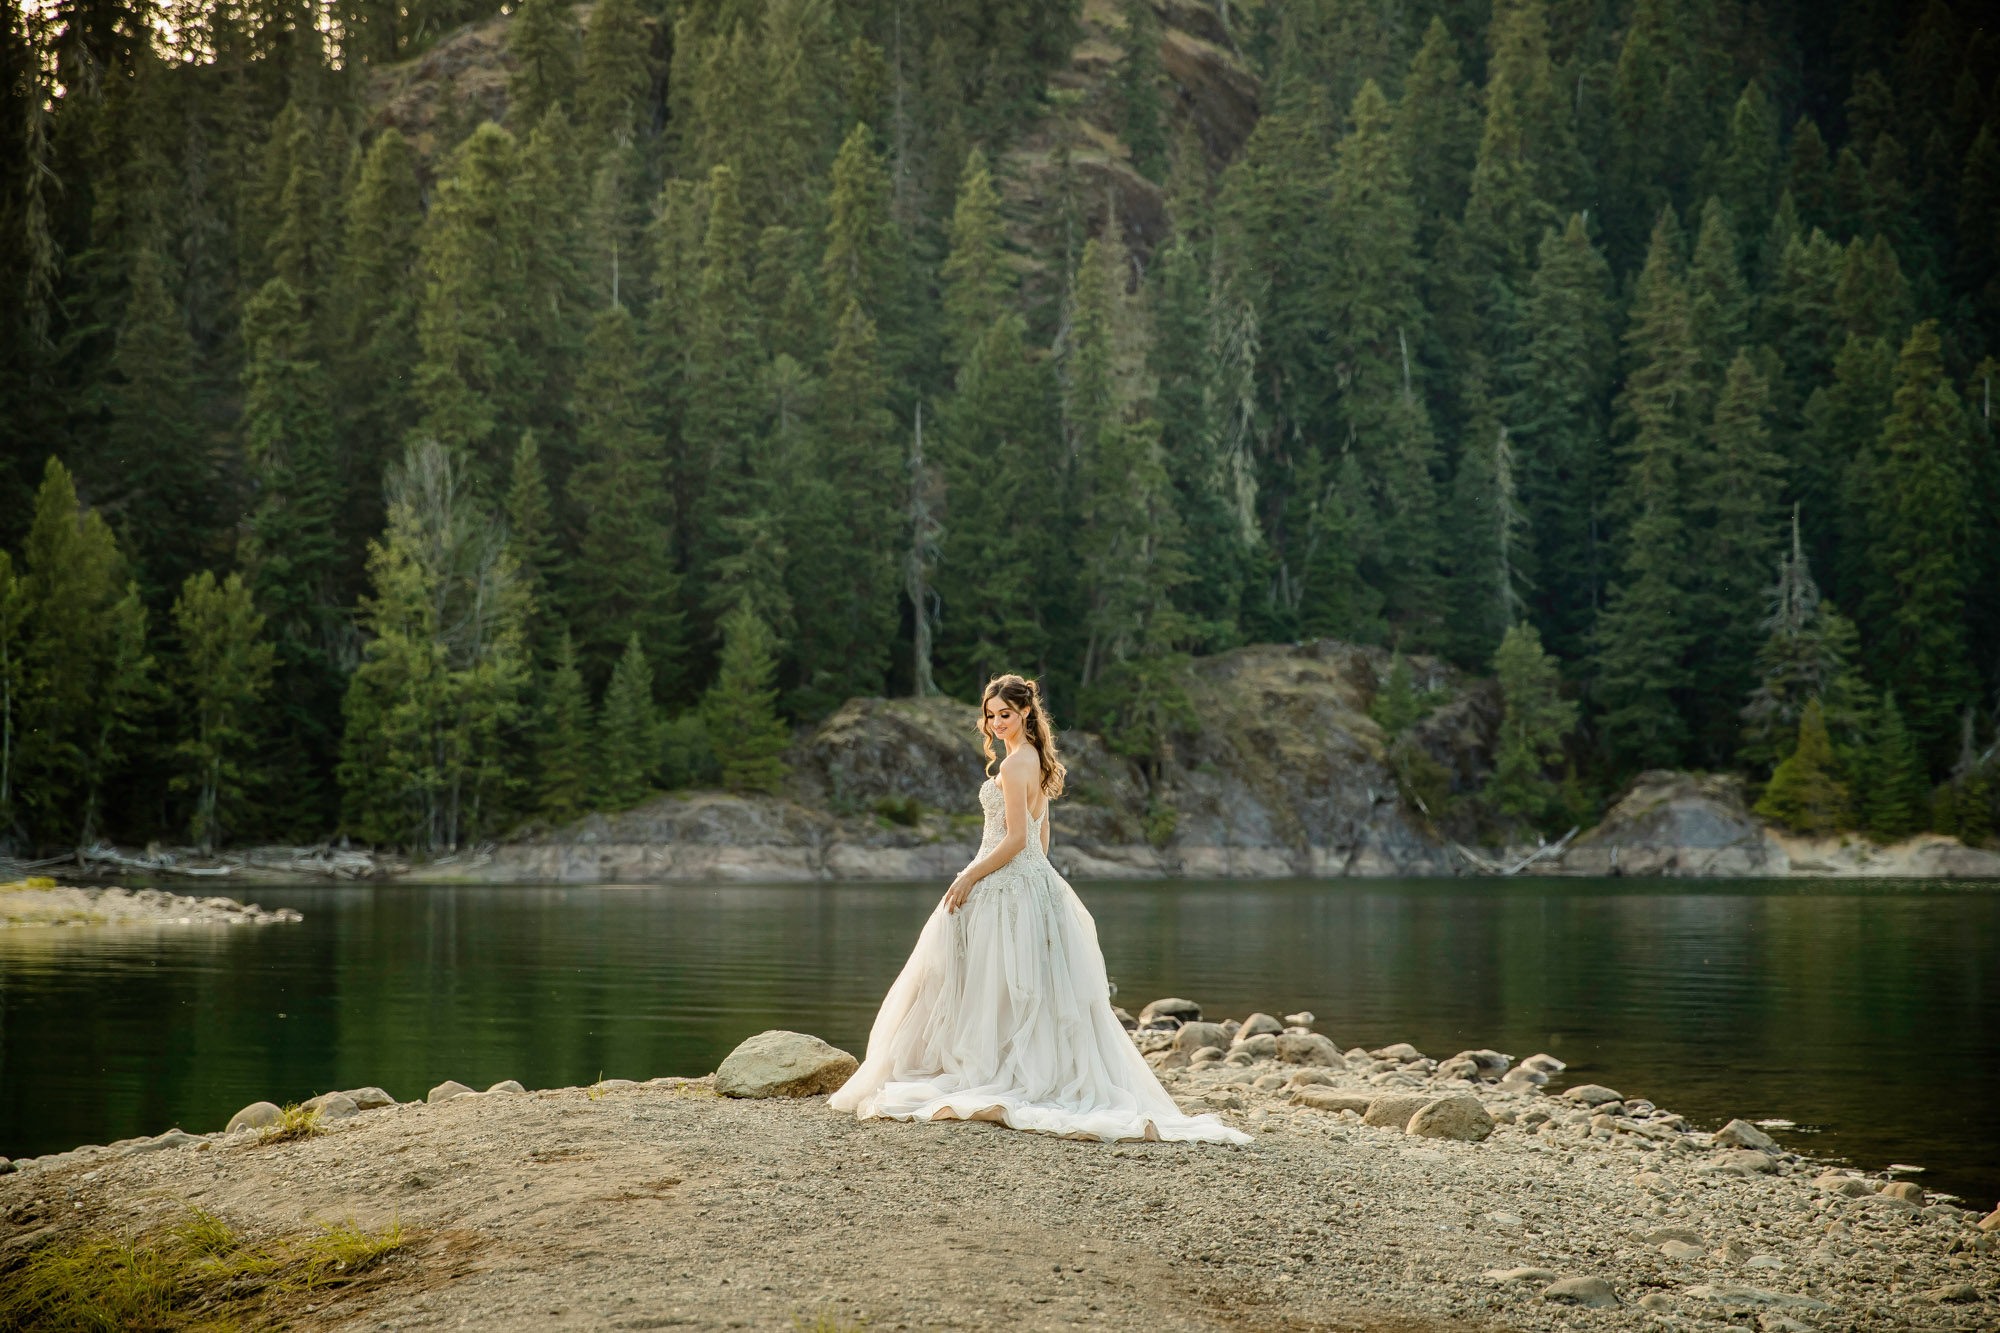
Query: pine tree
point(1440, 133)
point(1646, 629)
point(1396, 707)
point(627, 731)
point(560, 293)
point(1558, 428)
point(16, 705)
point(1743, 177)
point(1808, 647)
point(531, 542)
point(1838, 459)
point(1718, 305)
point(1535, 721)
point(1914, 615)
point(156, 441)
point(622, 581)
point(977, 281)
point(1137, 89)
point(219, 675)
point(739, 710)
point(565, 758)
point(542, 42)
point(864, 249)
point(1806, 794)
point(1493, 559)
point(429, 709)
point(617, 75)
point(1735, 506)
point(722, 428)
point(1898, 790)
point(472, 375)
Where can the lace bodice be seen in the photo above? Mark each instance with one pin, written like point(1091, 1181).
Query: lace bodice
point(994, 802)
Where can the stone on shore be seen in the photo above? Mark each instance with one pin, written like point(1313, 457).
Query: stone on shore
point(370, 1099)
point(1955, 1293)
point(447, 1090)
point(257, 1115)
point(1682, 1252)
point(1990, 1222)
point(1304, 1018)
point(1461, 1117)
point(1592, 1094)
point(1257, 1025)
point(786, 1064)
point(331, 1105)
point(1909, 1191)
point(1742, 1161)
point(1308, 1048)
point(1730, 1293)
point(1839, 1182)
point(1543, 1063)
point(507, 1085)
point(1743, 1134)
point(1594, 1292)
point(1333, 1099)
point(1193, 1036)
point(1393, 1110)
point(1517, 1275)
point(1402, 1053)
point(1263, 1046)
point(1187, 1011)
point(173, 1138)
point(1306, 1078)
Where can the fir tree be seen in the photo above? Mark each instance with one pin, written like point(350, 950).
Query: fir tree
point(722, 422)
point(1806, 794)
point(622, 581)
point(1837, 461)
point(15, 702)
point(1914, 615)
point(1645, 631)
point(627, 731)
point(1808, 647)
point(1396, 707)
point(1535, 721)
point(531, 542)
point(739, 710)
point(1718, 304)
point(1898, 790)
point(219, 675)
point(977, 282)
point(864, 249)
point(617, 75)
point(542, 42)
point(565, 758)
point(1439, 129)
point(1137, 83)
point(1491, 565)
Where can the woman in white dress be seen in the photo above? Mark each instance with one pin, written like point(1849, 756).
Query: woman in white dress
point(1003, 1012)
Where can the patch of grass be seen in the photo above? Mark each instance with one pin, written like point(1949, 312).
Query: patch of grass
point(905, 810)
point(596, 1090)
point(31, 882)
point(197, 1276)
point(826, 1321)
point(294, 1122)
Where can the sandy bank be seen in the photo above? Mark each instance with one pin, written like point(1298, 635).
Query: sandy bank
point(662, 1205)
point(32, 903)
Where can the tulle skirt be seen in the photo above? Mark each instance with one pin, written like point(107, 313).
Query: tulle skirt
point(1003, 1013)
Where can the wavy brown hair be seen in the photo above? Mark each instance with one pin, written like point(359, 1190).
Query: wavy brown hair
point(1025, 698)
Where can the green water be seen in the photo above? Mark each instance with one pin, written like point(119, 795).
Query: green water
point(1867, 1013)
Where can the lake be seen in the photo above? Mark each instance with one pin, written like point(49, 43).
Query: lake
point(1868, 1013)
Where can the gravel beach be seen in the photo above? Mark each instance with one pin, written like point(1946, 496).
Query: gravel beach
point(1479, 1199)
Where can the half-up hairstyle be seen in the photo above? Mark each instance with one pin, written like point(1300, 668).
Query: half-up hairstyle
point(1025, 698)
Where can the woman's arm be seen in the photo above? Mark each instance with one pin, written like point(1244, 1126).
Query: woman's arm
point(1014, 789)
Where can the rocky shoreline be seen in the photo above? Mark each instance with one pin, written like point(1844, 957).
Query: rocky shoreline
point(1383, 1189)
point(38, 903)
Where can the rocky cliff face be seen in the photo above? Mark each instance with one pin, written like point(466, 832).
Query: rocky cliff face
point(1286, 775)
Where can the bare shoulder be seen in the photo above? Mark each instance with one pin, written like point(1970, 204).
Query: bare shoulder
point(1023, 765)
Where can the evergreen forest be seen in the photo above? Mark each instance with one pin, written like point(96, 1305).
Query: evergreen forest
point(422, 418)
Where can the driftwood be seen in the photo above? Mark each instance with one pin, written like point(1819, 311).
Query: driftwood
point(1543, 851)
point(320, 862)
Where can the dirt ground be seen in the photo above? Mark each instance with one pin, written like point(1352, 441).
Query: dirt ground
point(663, 1206)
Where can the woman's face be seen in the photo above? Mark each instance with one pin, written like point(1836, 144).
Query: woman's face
point(1003, 721)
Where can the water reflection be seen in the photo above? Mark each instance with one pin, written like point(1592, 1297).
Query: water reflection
point(1868, 1012)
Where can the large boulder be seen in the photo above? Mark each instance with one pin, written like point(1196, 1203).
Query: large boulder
point(1257, 1025)
point(257, 1115)
point(1743, 1134)
point(1192, 1037)
point(1461, 1117)
point(331, 1105)
point(1673, 823)
point(784, 1064)
point(1187, 1011)
point(1393, 1110)
point(1308, 1048)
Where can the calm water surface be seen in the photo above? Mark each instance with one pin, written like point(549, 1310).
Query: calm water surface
point(1869, 1014)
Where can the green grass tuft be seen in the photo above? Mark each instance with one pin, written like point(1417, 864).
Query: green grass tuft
point(294, 1122)
point(826, 1321)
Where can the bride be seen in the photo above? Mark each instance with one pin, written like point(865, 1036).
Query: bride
point(1003, 1012)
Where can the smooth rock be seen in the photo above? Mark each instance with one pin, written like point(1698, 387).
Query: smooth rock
point(507, 1085)
point(1257, 1025)
point(1522, 1079)
point(1743, 1134)
point(370, 1099)
point(1685, 1235)
point(1191, 1037)
point(1956, 1293)
point(1517, 1275)
point(1304, 1018)
point(1764, 1261)
point(1591, 1094)
point(1223, 1101)
point(1262, 1046)
point(1543, 1064)
point(1772, 1322)
point(1682, 1252)
point(1308, 1049)
point(1506, 1221)
point(1990, 1222)
point(1169, 1059)
point(1207, 1055)
point(257, 1115)
point(173, 1138)
point(784, 1064)
point(1187, 1011)
point(1459, 1117)
point(1906, 1190)
point(1402, 1053)
point(1333, 1099)
point(1392, 1110)
point(1730, 1293)
point(446, 1090)
point(1655, 1301)
point(1492, 1064)
point(1269, 1082)
point(614, 1085)
point(1307, 1078)
point(1594, 1292)
point(331, 1106)
point(1459, 1067)
point(1742, 1161)
point(1125, 1020)
point(1837, 1182)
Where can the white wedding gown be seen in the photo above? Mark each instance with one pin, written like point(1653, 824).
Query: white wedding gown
point(1003, 1013)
